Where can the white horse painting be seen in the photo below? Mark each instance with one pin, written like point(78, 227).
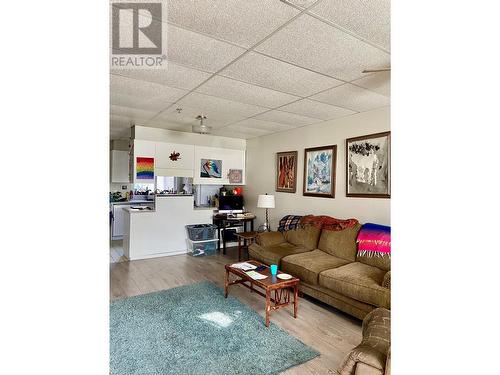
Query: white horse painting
point(366, 163)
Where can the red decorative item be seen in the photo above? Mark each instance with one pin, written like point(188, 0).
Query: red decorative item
point(174, 156)
point(238, 190)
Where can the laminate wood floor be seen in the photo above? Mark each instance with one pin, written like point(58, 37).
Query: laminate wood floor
point(324, 328)
point(116, 252)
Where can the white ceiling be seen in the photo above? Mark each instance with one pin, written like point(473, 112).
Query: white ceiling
point(259, 67)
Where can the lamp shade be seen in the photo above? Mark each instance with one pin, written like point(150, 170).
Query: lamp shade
point(265, 201)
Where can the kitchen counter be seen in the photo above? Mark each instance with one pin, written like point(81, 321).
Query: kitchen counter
point(162, 232)
point(174, 195)
point(132, 202)
point(134, 210)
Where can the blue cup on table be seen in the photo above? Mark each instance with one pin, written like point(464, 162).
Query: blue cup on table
point(274, 269)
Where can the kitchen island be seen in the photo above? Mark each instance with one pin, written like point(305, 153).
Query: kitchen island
point(162, 232)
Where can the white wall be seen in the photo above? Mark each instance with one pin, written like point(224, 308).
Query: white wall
point(261, 170)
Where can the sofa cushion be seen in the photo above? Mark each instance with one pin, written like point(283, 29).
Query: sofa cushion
point(358, 281)
point(270, 238)
point(306, 236)
point(273, 254)
point(307, 266)
point(382, 262)
point(341, 243)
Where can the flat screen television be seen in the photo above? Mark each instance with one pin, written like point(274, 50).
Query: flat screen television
point(231, 203)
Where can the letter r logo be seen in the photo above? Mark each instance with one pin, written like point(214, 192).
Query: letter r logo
point(137, 28)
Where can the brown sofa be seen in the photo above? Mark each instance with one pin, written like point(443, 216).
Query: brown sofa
point(373, 355)
point(328, 266)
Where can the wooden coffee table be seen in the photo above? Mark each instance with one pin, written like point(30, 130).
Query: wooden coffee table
point(270, 284)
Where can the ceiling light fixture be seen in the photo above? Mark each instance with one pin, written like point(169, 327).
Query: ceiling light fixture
point(202, 128)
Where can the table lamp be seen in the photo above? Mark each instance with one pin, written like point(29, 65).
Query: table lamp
point(266, 201)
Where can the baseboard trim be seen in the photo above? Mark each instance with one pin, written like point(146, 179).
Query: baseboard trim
point(159, 255)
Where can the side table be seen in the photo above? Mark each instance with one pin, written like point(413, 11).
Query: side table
point(248, 238)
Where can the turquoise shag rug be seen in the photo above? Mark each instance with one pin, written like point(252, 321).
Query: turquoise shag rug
point(193, 329)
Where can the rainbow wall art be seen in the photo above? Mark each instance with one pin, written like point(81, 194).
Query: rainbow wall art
point(145, 168)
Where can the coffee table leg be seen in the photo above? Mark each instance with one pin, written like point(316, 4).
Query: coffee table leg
point(295, 300)
point(239, 248)
point(226, 283)
point(268, 306)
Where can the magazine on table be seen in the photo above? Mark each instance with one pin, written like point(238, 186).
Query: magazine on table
point(245, 266)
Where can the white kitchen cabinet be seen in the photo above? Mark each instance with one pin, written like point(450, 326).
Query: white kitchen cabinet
point(231, 159)
point(118, 225)
point(185, 159)
point(119, 166)
point(165, 166)
point(118, 229)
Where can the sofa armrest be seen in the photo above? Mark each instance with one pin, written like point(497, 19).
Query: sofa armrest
point(363, 359)
point(270, 238)
point(386, 283)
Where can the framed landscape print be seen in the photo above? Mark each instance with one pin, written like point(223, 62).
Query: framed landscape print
point(320, 171)
point(368, 166)
point(286, 171)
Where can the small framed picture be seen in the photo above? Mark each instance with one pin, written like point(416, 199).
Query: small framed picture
point(368, 166)
point(320, 171)
point(286, 171)
point(235, 176)
point(211, 168)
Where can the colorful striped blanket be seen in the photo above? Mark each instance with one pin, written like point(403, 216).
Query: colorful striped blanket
point(374, 240)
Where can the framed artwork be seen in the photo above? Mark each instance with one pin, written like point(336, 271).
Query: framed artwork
point(145, 168)
point(235, 176)
point(211, 168)
point(320, 171)
point(286, 171)
point(368, 166)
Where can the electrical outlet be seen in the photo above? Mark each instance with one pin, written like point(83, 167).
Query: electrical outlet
point(124, 187)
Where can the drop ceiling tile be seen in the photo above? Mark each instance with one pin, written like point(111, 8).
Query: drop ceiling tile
point(274, 74)
point(143, 89)
point(302, 3)
point(125, 100)
point(287, 118)
point(315, 45)
point(370, 19)
point(172, 75)
point(211, 105)
point(247, 130)
point(187, 117)
point(160, 124)
point(199, 51)
point(244, 92)
point(352, 97)
point(224, 132)
point(379, 82)
point(316, 109)
point(155, 104)
point(253, 123)
point(132, 114)
point(120, 122)
point(239, 21)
